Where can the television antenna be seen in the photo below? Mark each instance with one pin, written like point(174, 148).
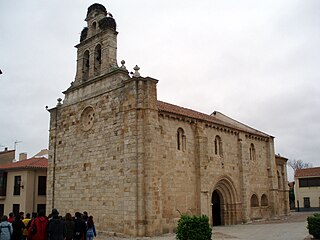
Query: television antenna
point(16, 143)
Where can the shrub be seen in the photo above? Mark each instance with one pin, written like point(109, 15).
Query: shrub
point(193, 228)
point(314, 225)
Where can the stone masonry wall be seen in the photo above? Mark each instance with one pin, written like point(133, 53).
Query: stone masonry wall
point(105, 165)
point(178, 185)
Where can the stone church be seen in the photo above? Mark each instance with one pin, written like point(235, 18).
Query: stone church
point(136, 163)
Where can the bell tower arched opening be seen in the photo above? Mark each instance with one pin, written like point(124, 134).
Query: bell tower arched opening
point(85, 66)
point(97, 60)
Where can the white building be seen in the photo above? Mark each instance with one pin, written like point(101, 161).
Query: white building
point(307, 189)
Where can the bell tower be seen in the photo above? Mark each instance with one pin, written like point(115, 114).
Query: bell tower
point(97, 50)
point(103, 136)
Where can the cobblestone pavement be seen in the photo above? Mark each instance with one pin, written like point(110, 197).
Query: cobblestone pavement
point(292, 227)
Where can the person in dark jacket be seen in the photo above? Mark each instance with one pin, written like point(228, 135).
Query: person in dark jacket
point(38, 227)
point(18, 227)
point(70, 226)
point(33, 216)
point(56, 227)
point(85, 216)
point(91, 229)
point(79, 227)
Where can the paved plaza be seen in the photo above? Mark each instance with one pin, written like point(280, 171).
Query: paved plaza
point(292, 227)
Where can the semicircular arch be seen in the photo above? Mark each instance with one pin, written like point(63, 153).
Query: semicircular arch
point(229, 198)
point(226, 186)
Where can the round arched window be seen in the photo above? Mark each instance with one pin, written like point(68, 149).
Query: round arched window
point(94, 25)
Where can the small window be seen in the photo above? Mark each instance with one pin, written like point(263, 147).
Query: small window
point(3, 183)
point(254, 202)
point(303, 182)
point(264, 200)
point(181, 140)
point(306, 202)
point(309, 182)
point(16, 208)
point(1, 210)
point(42, 185)
point(41, 207)
point(218, 146)
point(252, 152)
point(17, 185)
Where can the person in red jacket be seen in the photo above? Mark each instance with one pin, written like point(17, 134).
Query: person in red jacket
point(38, 227)
point(11, 217)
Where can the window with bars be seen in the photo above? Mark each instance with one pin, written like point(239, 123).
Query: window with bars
point(16, 209)
point(17, 185)
point(42, 185)
point(309, 182)
point(3, 183)
point(306, 202)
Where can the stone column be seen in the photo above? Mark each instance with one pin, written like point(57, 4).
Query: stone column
point(272, 176)
point(53, 140)
point(141, 103)
point(244, 176)
point(202, 161)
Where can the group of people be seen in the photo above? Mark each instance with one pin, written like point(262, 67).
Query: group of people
point(53, 227)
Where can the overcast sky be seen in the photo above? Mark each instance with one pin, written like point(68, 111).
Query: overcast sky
point(255, 61)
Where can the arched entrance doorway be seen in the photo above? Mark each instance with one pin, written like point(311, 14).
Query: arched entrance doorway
point(216, 209)
point(224, 203)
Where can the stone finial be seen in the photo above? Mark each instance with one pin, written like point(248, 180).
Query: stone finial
point(136, 71)
point(59, 102)
point(122, 64)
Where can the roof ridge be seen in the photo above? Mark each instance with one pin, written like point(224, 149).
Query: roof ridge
point(189, 109)
point(238, 122)
point(164, 106)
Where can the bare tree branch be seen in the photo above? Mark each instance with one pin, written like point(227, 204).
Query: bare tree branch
point(298, 164)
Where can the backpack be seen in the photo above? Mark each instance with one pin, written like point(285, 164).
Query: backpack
point(6, 227)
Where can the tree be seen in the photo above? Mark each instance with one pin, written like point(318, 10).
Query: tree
point(298, 164)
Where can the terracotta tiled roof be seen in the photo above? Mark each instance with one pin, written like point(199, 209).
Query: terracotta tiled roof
point(167, 107)
point(308, 172)
point(26, 164)
point(170, 108)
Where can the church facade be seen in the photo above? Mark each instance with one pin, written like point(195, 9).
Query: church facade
point(136, 163)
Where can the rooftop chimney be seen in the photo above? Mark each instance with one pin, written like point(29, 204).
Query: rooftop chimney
point(22, 156)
